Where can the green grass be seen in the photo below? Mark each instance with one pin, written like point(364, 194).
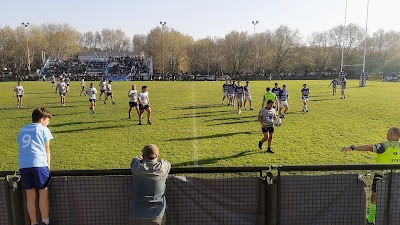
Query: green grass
point(107, 139)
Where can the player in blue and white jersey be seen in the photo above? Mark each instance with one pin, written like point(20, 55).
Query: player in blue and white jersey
point(334, 83)
point(103, 88)
point(266, 116)
point(247, 95)
point(92, 91)
point(231, 93)
point(225, 91)
point(62, 88)
point(239, 91)
point(133, 100)
point(19, 92)
point(304, 96)
point(276, 90)
point(343, 85)
point(283, 97)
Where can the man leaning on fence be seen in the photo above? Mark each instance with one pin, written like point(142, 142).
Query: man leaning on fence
point(149, 174)
point(387, 154)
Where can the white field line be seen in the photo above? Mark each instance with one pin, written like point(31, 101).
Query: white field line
point(195, 144)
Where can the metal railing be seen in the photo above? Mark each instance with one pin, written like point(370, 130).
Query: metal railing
point(276, 195)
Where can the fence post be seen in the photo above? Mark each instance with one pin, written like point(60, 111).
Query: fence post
point(16, 207)
point(269, 199)
point(389, 195)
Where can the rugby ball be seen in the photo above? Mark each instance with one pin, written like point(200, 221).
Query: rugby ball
point(278, 122)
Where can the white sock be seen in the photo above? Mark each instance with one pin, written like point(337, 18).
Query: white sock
point(46, 221)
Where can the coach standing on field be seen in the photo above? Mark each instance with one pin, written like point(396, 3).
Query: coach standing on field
point(149, 173)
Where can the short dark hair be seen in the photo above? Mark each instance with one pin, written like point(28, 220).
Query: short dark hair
point(270, 101)
point(40, 113)
point(276, 83)
point(143, 87)
point(268, 89)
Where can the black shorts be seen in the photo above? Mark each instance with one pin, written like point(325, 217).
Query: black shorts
point(377, 177)
point(109, 93)
point(92, 100)
point(143, 106)
point(268, 130)
point(62, 94)
point(102, 91)
point(53, 82)
point(19, 96)
point(133, 104)
point(67, 85)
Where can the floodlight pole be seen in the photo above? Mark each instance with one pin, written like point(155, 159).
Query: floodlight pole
point(163, 52)
point(254, 36)
point(344, 27)
point(27, 48)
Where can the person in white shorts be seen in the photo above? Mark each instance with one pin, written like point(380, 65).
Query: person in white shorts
point(144, 104)
point(283, 97)
point(239, 90)
point(225, 91)
point(304, 96)
point(82, 86)
point(92, 91)
point(103, 88)
point(19, 92)
point(133, 100)
point(62, 88)
point(109, 92)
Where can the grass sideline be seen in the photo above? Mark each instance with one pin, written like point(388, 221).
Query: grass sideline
point(191, 127)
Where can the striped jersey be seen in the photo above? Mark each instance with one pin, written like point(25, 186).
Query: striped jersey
point(305, 91)
point(247, 89)
point(267, 116)
point(276, 91)
point(239, 91)
point(283, 95)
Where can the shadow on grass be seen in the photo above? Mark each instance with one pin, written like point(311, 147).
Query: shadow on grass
point(323, 99)
point(232, 118)
point(212, 161)
point(209, 136)
point(233, 122)
point(87, 129)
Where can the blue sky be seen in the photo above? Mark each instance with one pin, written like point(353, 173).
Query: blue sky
point(202, 18)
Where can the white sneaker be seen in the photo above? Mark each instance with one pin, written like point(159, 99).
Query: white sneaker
point(239, 112)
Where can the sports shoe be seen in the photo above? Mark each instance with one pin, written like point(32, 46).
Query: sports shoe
point(251, 109)
point(368, 223)
point(306, 110)
point(260, 145)
point(239, 112)
point(269, 151)
point(244, 108)
point(113, 103)
point(105, 102)
point(140, 122)
point(148, 122)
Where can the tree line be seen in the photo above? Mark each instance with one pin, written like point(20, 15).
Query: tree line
point(277, 51)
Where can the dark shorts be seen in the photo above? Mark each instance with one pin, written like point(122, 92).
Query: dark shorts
point(92, 100)
point(62, 94)
point(109, 93)
point(67, 85)
point(19, 96)
point(53, 82)
point(35, 177)
point(268, 130)
point(102, 91)
point(377, 177)
point(133, 104)
point(143, 106)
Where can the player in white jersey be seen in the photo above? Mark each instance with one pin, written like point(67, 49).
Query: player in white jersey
point(133, 100)
point(67, 80)
point(334, 83)
point(53, 81)
point(92, 91)
point(109, 92)
point(62, 88)
point(283, 97)
point(239, 91)
point(103, 88)
point(304, 96)
point(266, 116)
point(82, 86)
point(144, 104)
point(247, 95)
point(19, 92)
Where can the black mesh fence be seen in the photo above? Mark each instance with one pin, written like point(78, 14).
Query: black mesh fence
point(4, 209)
point(295, 196)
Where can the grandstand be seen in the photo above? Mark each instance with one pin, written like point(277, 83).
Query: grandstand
point(99, 65)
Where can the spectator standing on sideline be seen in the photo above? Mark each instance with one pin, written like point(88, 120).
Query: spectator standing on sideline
point(34, 163)
point(19, 92)
point(53, 81)
point(149, 175)
point(387, 154)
